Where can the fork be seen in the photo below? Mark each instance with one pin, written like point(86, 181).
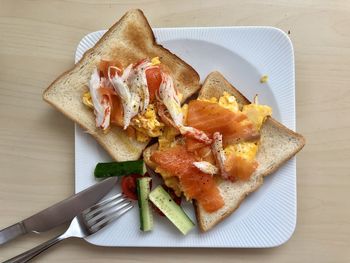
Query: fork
point(83, 225)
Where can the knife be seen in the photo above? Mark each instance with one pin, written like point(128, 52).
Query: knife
point(60, 212)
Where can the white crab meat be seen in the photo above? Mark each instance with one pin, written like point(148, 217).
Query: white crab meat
point(170, 99)
point(133, 89)
point(102, 108)
point(219, 153)
point(206, 167)
point(168, 96)
point(138, 82)
point(195, 134)
point(130, 100)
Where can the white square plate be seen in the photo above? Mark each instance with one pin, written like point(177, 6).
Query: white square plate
point(267, 218)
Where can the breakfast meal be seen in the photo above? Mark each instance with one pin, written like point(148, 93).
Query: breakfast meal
point(207, 143)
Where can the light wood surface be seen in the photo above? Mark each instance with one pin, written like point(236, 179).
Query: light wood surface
point(37, 43)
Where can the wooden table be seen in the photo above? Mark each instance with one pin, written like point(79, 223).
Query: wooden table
point(37, 42)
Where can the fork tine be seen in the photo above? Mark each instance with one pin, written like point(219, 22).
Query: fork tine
point(103, 213)
point(106, 212)
point(101, 208)
point(102, 203)
point(108, 219)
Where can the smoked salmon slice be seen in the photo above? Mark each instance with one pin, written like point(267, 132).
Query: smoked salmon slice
point(115, 102)
point(196, 185)
point(193, 144)
point(201, 151)
point(211, 117)
point(205, 154)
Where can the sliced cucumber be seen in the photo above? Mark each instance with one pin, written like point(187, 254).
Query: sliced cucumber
point(144, 169)
point(161, 199)
point(103, 170)
point(143, 190)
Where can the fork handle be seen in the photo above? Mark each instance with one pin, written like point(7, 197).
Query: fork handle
point(29, 254)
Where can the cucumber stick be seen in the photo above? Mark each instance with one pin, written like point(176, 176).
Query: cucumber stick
point(143, 190)
point(103, 170)
point(144, 169)
point(161, 199)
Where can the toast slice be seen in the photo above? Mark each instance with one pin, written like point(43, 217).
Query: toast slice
point(128, 41)
point(278, 144)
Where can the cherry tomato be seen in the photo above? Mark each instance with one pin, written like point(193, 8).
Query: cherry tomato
point(128, 184)
point(172, 194)
point(154, 79)
point(129, 187)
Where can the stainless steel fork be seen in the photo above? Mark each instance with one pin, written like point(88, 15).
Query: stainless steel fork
point(85, 224)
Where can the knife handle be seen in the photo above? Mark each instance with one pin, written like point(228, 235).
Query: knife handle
point(12, 232)
point(30, 254)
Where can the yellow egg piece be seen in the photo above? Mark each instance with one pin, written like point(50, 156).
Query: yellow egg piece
point(87, 100)
point(174, 183)
point(147, 124)
point(155, 61)
point(246, 150)
point(264, 79)
point(170, 181)
point(229, 102)
point(226, 101)
point(141, 137)
point(257, 113)
point(167, 139)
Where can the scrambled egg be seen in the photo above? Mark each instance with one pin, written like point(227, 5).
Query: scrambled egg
point(245, 150)
point(147, 124)
point(170, 181)
point(264, 79)
point(167, 138)
point(226, 101)
point(141, 137)
point(155, 61)
point(257, 113)
point(87, 100)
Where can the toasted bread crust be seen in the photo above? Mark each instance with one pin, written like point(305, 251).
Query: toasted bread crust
point(291, 133)
point(136, 42)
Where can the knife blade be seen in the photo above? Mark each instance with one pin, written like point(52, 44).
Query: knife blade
point(60, 212)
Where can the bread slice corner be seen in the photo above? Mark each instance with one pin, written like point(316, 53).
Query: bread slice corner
point(128, 41)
